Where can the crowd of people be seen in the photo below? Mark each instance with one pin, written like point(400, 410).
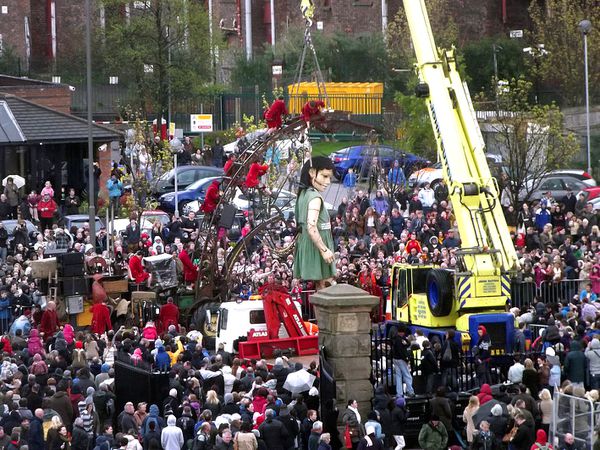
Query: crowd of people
point(219, 402)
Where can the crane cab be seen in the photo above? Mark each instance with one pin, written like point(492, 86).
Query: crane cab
point(424, 297)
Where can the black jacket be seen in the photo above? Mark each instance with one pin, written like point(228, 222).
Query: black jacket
point(274, 434)
point(81, 440)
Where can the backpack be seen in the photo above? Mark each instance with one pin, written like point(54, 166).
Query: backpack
point(542, 447)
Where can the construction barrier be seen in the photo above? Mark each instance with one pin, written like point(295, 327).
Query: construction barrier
point(574, 415)
point(356, 98)
point(527, 293)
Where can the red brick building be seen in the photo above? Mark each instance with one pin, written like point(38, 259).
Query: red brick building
point(39, 31)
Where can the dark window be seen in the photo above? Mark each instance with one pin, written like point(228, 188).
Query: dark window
point(223, 314)
point(257, 316)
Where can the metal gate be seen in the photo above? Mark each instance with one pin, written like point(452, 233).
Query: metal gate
point(574, 415)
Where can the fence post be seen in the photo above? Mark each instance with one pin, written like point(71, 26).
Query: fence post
point(343, 314)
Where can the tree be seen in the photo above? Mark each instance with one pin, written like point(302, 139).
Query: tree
point(478, 59)
point(162, 47)
point(532, 139)
point(414, 129)
point(399, 43)
point(561, 64)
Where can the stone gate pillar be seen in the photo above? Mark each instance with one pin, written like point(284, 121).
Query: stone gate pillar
point(343, 315)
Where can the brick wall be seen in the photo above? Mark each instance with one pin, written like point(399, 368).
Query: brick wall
point(70, 29)
point(55, 97)
point(12, 25)
point(475, 18)
point(39, 34)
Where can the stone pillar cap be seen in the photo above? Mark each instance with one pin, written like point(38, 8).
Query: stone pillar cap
point(343, 295)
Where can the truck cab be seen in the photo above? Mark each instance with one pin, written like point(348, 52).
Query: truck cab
point(240, 321)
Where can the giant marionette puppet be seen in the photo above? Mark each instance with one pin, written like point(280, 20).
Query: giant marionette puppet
point(314, 258)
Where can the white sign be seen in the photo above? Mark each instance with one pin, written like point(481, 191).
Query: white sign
point(5, 10)
point(277, 69)
point(516, 34)
point(201, 123)
point(320, 25)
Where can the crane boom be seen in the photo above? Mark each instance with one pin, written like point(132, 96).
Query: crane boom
point(487, 257)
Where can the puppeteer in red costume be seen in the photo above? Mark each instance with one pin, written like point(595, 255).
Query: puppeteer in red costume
point(169, 315)
point(211, 200)
point(190, 271)
point(49, 323)
point(254, 173)
point(274, 115)
point(136, 269)
point(100, 318)
point(312, 110)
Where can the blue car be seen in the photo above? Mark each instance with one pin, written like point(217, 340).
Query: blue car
point(361, 157)
point(195, 191)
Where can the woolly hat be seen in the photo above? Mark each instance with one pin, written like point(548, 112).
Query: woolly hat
point(78, 344)
point(105, 368)
point(400, 402)
point(228, 398)
point(173, 392)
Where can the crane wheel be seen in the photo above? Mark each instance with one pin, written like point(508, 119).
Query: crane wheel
point(439, 292)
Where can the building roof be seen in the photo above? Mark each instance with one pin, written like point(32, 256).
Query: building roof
point(39, 124)
point(9, 128)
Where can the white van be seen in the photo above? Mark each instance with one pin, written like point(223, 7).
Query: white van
point(236, 319)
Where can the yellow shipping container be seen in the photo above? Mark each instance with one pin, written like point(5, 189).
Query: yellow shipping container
point(356, 98)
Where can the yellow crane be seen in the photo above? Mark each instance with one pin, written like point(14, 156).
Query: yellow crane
point(478, 290)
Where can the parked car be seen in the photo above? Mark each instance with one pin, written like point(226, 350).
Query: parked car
point(78, 220)
point(556, 184)
point(186, 175)
point(590, 193)
point(581, 175)
point(148, 218)
point(193, 198)
point(595, 203)
point(433, 174)
point(194, 192)
point(360, 158)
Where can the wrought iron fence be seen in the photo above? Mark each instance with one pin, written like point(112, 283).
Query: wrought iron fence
point(463, 378)
point(466, 377)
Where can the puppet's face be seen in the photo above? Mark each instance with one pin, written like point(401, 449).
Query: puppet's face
point(321, 179)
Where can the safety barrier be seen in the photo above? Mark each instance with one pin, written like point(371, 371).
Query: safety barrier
point(573, 415)
point(526, 293)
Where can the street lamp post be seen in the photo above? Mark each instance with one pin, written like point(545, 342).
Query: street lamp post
point(176, 147)
point(88, 61)
point(585, 26)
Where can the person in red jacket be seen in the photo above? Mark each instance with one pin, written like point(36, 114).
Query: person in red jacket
point(228, 168)
point(211, 200)
point(413, 243)
point(256, 171)
point(274, 114)
point(100, 318)
point(136, 268)
point(169, 315)
point(46, 209)
point(312, 110)
point(49, 322)
point(190, 271)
